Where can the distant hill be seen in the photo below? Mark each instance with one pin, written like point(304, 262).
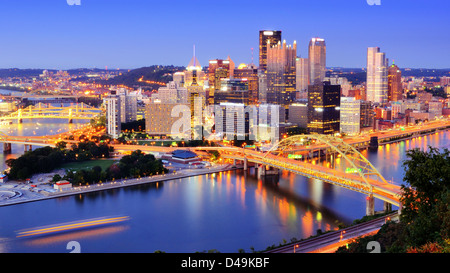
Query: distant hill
point(151, 77)
point(358, 75)
point(16, 72)
point(35, 72)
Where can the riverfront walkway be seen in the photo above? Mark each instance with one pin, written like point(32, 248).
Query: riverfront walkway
point(32, 194)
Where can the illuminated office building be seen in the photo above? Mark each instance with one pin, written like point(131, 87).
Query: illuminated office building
point(317, 60)
point(281, 74)
point(262, 87)
point(367, 114)
point(232, 91)
point(218, 70)
point(377, 76)
point(159, 120)
point(302, 77)
point(193, 74)
point(324, 108)
point(395, 89)
point(128, 104)
point(267, 39)
point(173, 92)
point(298, 113)
point(113, 114)
point(350, 116)
point(250, 74)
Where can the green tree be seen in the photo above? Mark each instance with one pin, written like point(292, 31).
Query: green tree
point(425, 196)
point(56, 178)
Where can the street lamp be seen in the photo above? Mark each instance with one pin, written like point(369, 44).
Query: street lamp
point(295, 246)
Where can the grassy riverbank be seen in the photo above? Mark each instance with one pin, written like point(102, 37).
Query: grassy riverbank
point(75, 166)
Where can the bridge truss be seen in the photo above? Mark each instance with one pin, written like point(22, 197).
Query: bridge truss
point(41, 110)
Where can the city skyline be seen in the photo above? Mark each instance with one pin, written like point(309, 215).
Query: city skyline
point(119, 34)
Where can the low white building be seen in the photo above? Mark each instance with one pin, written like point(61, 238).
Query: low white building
point(62, 185)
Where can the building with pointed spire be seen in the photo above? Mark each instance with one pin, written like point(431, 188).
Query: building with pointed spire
point(194, 74)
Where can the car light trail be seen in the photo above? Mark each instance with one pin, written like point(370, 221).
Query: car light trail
point(73, 225)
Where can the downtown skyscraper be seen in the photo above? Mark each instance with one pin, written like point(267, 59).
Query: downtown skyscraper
point(324, 102)
point(281, 76)
point(395, 90)
point(267, 39)
point(217, 70)
point(377, 76)
point(302, 77)
point(317, 60)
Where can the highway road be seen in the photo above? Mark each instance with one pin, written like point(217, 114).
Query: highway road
point(330, 242)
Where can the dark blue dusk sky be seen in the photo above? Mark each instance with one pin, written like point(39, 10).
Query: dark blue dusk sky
point(135, 33)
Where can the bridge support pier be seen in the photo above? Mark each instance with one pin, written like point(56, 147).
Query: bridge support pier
point(387, 206)
point(245, 164)
point(70, 120)
point(6, 148)
point(27, 147)
point(261, 171)
point(370, 205)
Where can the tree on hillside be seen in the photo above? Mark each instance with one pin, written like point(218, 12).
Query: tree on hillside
point(426, 196)
point(425, 217)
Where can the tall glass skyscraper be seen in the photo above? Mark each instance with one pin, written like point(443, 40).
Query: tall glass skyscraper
point(317, 60)
point(302, 77)
point(395, 90)
point(281, 76)
point(324, 102)
point(377, 76)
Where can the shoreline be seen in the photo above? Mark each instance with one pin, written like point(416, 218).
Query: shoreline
point(120, 184)
point(411, 137)
point(145, 180)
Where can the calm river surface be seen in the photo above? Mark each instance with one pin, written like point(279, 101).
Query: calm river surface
point(226, 211)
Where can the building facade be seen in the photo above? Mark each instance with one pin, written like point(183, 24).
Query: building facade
point(377, 76)
point(267, 39)
point(281, 74)
point(324, 108)
point(317, 60)
point(217, 70)
point(350, 116)
point(298, 113)
point(233, 91)
point(250, 74)
point(302, 77)
point(113, 114)
point(395, 89)
point(160, 122)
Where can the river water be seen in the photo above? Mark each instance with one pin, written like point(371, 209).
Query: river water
point(226, 211)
